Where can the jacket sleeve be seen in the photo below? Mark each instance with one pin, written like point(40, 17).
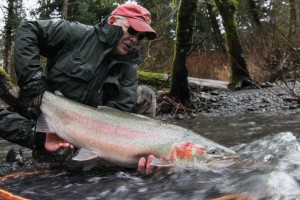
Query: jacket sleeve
point(35, 38)
point(127, 86)
point(19, 130)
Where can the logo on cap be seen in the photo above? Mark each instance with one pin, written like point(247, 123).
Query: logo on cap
point(147, 18)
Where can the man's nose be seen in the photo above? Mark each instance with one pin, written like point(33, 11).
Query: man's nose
point(135, 38)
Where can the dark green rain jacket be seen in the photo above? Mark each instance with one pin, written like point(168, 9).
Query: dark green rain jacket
point(80, 62)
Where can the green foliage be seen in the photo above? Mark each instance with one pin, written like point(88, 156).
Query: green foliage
point(46, 8)
point(90, 11)
point(175, 3)
point(13, 15)
point(84, 11)
point(234, 2)
point(203, 28)
point(164, 23)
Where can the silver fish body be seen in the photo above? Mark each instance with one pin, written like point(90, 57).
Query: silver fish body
point(122, 138)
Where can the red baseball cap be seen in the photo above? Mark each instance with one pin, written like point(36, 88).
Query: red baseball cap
point(138, 17)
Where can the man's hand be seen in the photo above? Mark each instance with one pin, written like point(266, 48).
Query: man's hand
point(54, 143)
point(144, 165)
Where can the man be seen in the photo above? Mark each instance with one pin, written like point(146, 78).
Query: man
point(93, 65)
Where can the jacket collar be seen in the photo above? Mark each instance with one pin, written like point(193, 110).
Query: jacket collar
point(108, 34)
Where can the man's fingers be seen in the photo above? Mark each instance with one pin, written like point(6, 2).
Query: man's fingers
point(142, 165)
point(66, 145)
point(145, 166)
point(149, 168)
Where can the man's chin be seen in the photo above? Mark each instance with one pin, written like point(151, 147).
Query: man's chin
point(121, 51)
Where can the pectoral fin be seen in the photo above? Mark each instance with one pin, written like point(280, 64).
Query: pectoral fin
point(161, 163)
point(84, 155)
point(41, 125)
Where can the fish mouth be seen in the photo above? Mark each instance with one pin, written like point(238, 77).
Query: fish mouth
point(222, 161)
point(213, 158)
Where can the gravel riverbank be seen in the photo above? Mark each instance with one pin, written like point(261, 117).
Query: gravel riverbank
point(269, 98)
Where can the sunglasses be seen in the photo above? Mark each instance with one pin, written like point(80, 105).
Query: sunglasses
point(133, 32)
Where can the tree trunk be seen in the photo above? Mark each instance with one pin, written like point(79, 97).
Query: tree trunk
point(292, 20)
point(239, 72)
point(184, 39)
point(8, 34)
point(254, 13)
point(64, 10)
point(212, 17)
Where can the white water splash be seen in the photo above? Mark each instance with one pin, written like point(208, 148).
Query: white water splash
point(283, 186)
point(280, 154)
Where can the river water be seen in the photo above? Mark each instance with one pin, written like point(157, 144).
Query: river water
point(268, 168)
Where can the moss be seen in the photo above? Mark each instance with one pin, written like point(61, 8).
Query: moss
point(148, 75)
point(152, 78)
point(6, 76)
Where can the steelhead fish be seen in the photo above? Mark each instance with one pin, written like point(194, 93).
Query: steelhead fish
point(123, 138)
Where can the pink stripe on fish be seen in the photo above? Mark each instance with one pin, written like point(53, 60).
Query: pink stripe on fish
point(95, 125)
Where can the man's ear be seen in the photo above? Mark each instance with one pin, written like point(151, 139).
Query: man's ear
point(111, 20)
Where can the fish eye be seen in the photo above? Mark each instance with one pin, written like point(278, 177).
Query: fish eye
point(212, 151)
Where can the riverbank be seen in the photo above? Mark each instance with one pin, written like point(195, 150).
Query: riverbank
point(268, 98)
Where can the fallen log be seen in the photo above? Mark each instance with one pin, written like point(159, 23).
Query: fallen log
point(214, 84)
point(163, 79)
point(153, 78)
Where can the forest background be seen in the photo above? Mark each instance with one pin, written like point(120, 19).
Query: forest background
point(268, 33)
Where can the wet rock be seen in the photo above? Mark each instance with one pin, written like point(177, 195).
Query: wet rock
point(293, 106)
point(251, 100)
point(15, 155)
point(266, 100)
point(214, 93)
point(251, 109)
point(180, 116)
point(266, 85)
